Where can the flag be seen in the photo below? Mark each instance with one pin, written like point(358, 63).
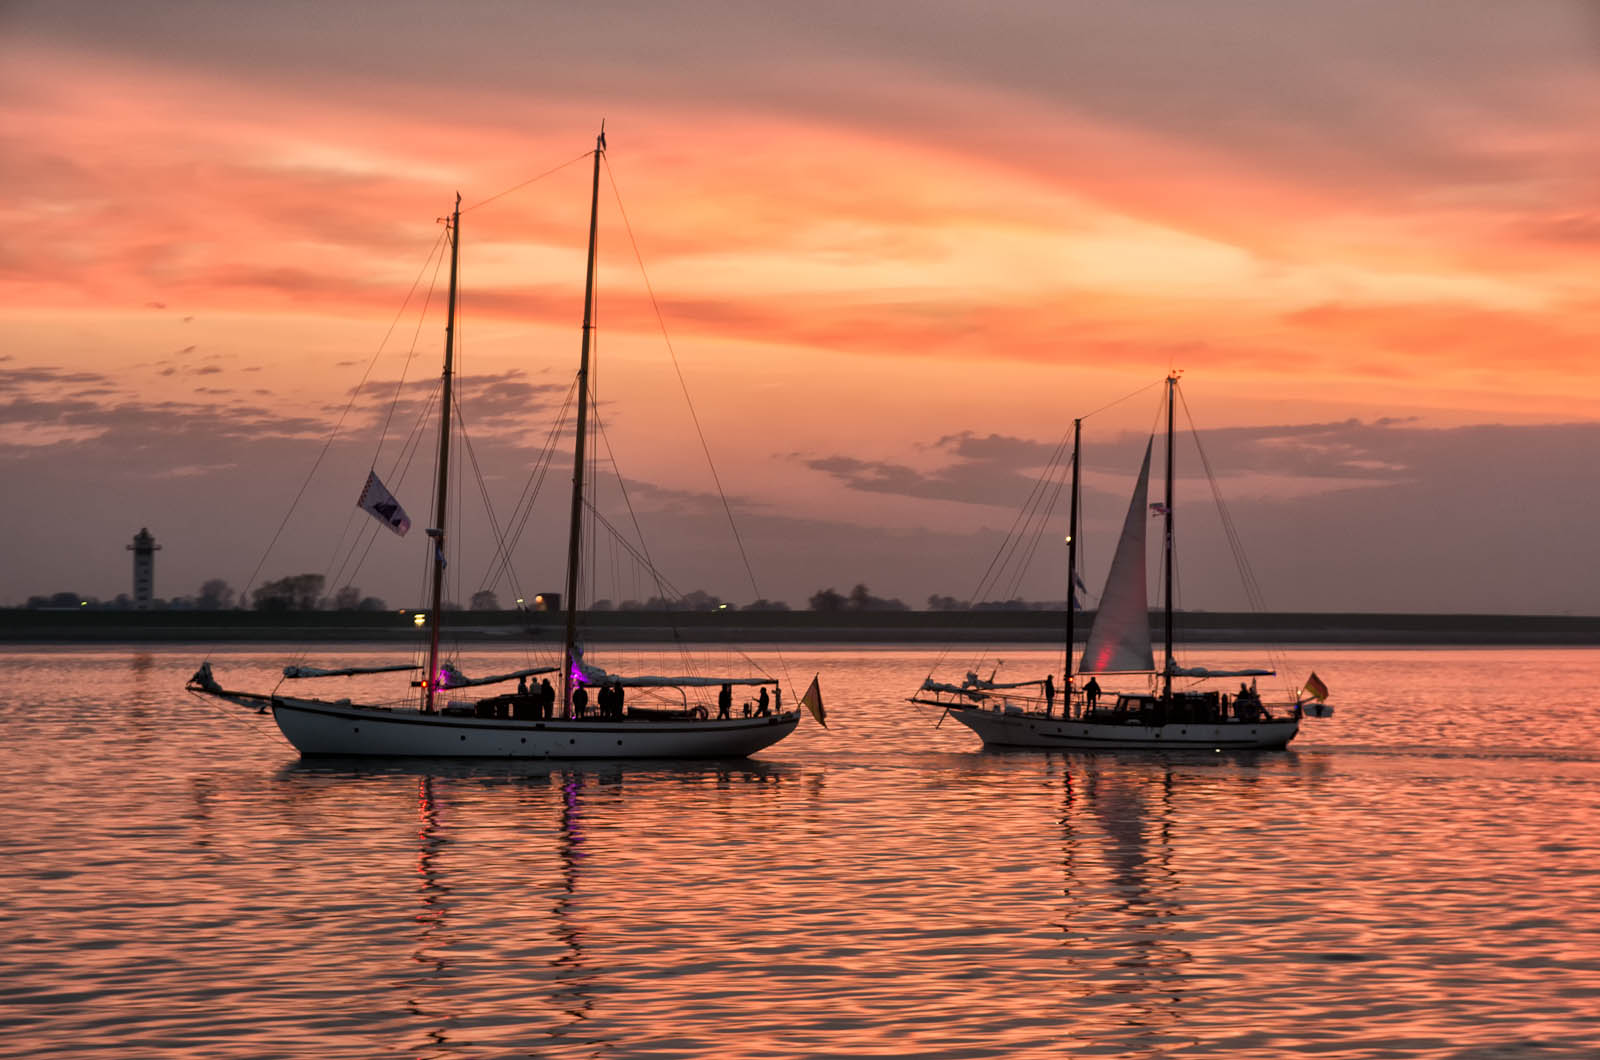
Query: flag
point(813, 702)
point(1077, 587)
point(1315, 688)
point(384, 508)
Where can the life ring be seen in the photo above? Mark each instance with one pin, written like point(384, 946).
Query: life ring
point(699, 713)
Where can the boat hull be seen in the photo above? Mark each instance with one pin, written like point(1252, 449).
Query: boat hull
point(316, 727)
point(1023, 730)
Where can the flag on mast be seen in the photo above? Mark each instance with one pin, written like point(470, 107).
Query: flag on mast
point(376, 499)
point(1315, 688)
point(813, 702)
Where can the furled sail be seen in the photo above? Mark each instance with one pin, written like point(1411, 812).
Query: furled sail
point(343, 671)
point(454, 678)
point(1206, 671)
point(1119, 640)
point(593, 675)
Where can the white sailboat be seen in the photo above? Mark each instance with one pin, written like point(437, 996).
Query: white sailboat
point(528, 723)
point(1155, 716)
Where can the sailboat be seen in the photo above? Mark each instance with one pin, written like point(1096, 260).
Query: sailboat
point(1159, 715)
point(525, 723)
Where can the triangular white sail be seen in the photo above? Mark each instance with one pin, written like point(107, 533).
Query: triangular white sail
point(1119, 640)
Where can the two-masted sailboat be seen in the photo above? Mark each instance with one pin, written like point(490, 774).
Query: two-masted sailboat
point(587, 721)
point(1173, 709)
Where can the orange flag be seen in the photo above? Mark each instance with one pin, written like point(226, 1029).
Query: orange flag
point(813, 701)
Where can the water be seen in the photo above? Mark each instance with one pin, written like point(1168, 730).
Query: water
point(1415, 878)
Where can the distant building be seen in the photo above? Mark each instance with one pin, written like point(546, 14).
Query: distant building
point(144, 569)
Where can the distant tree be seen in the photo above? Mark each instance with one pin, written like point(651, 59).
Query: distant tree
point(826, 600)
point(767, 605)
point(699, 600)
point(1003, 605)
point(861, 599)
point(372, 603)
point(215, 595)
point(485, 600)
point(602, 605)
point(946, 603)
point(630, 605)
point(123, 602)
point(347, 599)
point(298, 592)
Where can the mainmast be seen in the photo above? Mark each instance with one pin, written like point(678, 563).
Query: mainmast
point(1072, 556)
point(1166, 677)
point(575, 530)
point(437, 532)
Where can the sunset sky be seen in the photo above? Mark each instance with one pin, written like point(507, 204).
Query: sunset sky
point(896, 248)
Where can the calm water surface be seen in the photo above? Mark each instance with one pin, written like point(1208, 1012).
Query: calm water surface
point(1415, 878)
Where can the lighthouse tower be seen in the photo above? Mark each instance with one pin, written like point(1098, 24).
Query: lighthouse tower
point(144, 568)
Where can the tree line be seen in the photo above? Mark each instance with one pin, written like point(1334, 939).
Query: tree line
point(307, 592)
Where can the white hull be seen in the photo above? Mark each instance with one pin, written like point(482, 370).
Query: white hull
point(1016, 729)
point(316, 727)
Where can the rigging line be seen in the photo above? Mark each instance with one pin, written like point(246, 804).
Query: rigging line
point(411, 354)
point(677, 368)
point(1125, 397)
point(522, 512)
point(682, 383)
point(483, 489)
point(627, 501)
point(1254, 597)
point(333, 434)
point(997, 562)
point(663, 583)
point(531, 180)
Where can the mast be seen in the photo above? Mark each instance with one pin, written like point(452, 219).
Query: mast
point(437, 532)
point(1072, 558)
point(575, 530)
point(1166, 677)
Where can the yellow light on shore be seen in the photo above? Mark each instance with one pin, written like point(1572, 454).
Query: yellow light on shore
point(418, 619)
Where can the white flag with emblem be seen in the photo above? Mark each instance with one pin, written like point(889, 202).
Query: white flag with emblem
point(381, 503)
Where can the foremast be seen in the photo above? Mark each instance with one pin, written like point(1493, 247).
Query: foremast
point(575, 529)
point(436, 533)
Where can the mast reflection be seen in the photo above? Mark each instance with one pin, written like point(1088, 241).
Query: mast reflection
point(1123, 895)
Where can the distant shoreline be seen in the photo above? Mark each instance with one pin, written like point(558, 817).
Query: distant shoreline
point(21, 626)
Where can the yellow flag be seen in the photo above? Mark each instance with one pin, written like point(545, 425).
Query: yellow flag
point(1315, 688)
point(813, 701)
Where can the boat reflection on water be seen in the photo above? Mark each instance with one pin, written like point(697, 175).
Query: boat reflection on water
point(1123, 893)
point(526, 878)
point(1140, 862)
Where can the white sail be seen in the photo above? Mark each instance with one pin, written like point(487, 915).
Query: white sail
point(1119, 640)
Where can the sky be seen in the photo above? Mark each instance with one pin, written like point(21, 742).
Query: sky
point(889, 251)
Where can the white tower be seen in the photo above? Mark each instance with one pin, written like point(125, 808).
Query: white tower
point(144, 568)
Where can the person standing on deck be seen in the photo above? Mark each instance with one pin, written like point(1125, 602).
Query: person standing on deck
point(1049, 694)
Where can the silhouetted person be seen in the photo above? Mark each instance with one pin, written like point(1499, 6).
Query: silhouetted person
point(618, 697)
point(725, 702)
point(763, 703)
point(1049, 694)
point(580, 701)
point(1091, 692)
point(547, 698)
